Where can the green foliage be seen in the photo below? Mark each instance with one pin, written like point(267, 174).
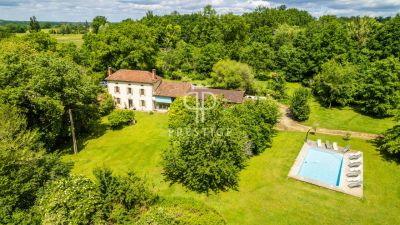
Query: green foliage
point(389, 143)
point(379, 92)
point(24, 167)
point(121, 117)
point(299, 107)
point(44, 86)
point(72, 200)
point(230, 74)
point(123, 197)
point(41, 41)
point(97, 22)
point(204, 155)
point(106, 103)
point(181, 211)
point(257, 120)
point(336, 84)
point(125, 45)
point(34, 25)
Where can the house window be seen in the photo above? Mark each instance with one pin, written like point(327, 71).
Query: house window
point(130, 103)
point(116, 89)
point(141, 91)
point(118, 101)
point(129, 90)
point(143, 103)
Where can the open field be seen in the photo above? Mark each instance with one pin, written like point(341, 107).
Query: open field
point(266, 195)
point(64, 38)
point(69, 38)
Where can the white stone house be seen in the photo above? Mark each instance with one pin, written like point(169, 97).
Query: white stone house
point(145, 91)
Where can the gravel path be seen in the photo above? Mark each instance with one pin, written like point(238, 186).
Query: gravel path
point(287, 123)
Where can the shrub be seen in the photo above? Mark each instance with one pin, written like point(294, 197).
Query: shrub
point(106, 104)
point(119, 118)
point(73, 200)
point(299, 104)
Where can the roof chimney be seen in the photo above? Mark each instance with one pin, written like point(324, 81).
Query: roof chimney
point(109, 71)
point(153, 71)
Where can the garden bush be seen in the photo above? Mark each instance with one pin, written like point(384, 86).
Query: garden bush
point(299, 106)
point(119, 118)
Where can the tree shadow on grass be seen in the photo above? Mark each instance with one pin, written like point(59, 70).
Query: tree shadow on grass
point(98, 129)
point(387, 156)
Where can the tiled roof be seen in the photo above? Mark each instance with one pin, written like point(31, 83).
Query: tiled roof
point(172, 89)
point(230, 96)
point(138, 76)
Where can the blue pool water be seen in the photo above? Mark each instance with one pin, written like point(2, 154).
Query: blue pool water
point(322, 165)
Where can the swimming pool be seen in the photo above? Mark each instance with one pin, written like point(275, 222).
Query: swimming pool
point(322, 165)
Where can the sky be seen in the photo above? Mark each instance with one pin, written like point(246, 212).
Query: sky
point(117, 10)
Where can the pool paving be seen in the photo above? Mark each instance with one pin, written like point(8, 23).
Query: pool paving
point(321, 177)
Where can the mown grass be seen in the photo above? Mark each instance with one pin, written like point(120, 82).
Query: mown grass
point(266, 195)
point(341, 118)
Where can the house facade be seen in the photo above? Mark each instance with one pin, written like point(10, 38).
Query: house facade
point(145, 91)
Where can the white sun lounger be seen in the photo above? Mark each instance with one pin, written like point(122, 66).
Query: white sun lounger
point(346, 149)
point(355, 155)
point(354, 164)
point(353, 179)
point(319, 143)
point(352, 174)
point(355, 184)
point(335, 146)
point(355, 169)
point(355, 160)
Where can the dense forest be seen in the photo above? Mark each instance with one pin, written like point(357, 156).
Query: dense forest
point(345, 61)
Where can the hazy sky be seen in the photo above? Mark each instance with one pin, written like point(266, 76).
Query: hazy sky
point(116, 10)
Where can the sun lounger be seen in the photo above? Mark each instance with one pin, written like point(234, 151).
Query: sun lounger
point(346, 149)
point(353, 179)
point(355, 184)
point(319, 143)
point(352, 174)
point(328, 144)
point(355, 155)
point(356, 170)
point(355, 160)
point(354, 164)
point(335, 146)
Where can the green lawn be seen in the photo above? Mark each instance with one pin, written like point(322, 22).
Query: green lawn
point(346, 119)
point(266, 195)
point(341, 119)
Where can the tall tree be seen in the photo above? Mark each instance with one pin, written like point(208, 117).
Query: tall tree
point(206, 153)
point(24, 166)
point(299, 106)
point(34, 25)
point(230, 74)
point(336, 84)
point(97, 22)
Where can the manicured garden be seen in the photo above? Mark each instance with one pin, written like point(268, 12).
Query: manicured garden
point(266, 195)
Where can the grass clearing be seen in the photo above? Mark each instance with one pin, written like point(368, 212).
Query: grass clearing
point(341, 118)
point(266, 195)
